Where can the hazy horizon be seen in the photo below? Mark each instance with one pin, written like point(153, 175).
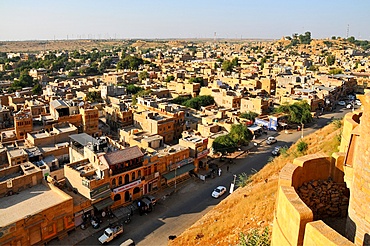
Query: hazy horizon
point(22, 20)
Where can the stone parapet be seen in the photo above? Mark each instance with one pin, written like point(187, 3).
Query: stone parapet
point(291, 214)
point(318, 233)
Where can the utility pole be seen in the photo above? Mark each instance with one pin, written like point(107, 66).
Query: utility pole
point(302, 129)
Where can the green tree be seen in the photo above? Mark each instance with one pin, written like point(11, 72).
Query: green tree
point(180, 100)
point(227, 66)
point(299, 112)
point(94, 96)
point(306, 38)
point(199, 101)
point(105, 64)
point(240, 134)
point(197, 80)
point(249, 115)
point(330, 60)
point(243, 180)
point(234, 62)
point(130, 62)
point(143, 75)
point(169, 78)
point(132, 89)
point(224, 144)
point(313, 68)
point(335, 71)
point(37, 89)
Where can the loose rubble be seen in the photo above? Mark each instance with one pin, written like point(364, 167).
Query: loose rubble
point(325, 198)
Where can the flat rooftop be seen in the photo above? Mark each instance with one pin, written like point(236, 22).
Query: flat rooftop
point(28, 202)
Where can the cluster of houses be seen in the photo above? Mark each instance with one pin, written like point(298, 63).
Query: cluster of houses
point(63, 158)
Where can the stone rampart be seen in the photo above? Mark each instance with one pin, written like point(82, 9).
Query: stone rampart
point(292, 214)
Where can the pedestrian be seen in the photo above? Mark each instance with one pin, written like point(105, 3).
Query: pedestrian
point(219, 172)
point(227, 168)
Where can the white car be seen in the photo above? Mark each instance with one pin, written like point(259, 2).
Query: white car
point(271, 140)
point(349, 105)
point(358, 102)
point(219, 191)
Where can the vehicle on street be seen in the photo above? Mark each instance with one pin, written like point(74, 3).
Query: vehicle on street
point(151, 198)
point(358, 102)
point(349, 105)
point(271, 140)
point(342, 103)
point(276, 151)
point(219, 191)
point(110, 233)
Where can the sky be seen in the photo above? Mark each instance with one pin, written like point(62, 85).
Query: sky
point(162, 19)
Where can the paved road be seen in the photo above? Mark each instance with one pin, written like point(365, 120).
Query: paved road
point(183, 208)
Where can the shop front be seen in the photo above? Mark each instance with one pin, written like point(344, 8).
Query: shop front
point(127, 193)
point(201, 160)
point(79, 216)
point(178, 173)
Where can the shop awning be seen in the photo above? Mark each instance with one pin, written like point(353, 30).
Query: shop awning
point(103, 204)
point(179, 171)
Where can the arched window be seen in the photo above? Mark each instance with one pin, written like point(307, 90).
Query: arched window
point(114, 183)
point(127, 179)
point(120, 180)
point(133, 176)
point(139, 174)
point(127, 196)
point(117, 197)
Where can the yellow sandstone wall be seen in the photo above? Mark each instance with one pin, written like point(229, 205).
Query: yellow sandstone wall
point(318, 233)
point(291, 214)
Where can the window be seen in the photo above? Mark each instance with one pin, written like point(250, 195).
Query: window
point(120, 180)
point(133, 176)
point(139, 174)
point(114, 183)
point(117, 197)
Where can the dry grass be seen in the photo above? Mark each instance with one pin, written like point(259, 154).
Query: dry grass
point(252, 206)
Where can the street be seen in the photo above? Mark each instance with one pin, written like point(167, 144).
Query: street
point(183, 208)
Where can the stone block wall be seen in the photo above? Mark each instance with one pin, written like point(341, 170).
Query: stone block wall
point(358, 221)
point(318, 233)
point(292, 215)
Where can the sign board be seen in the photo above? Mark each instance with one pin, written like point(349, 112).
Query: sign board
point(273, 123)
point(95, 192)
point(202, 154)
point(126, 187)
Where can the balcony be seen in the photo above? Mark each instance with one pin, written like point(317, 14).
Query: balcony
point(116, 171)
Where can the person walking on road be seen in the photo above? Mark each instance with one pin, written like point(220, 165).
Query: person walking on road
point(219, 172)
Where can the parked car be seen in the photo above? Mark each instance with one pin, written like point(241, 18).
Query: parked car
point(349, 105)
point(151, 198)
point(219, 191)
point(276, 151)
point(271, 140)
point(342, 103)
point(358, 102)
